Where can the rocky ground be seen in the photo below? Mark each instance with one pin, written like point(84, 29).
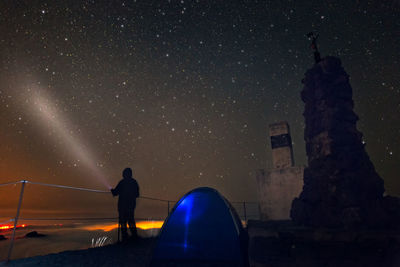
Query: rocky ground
point(272, 244)
point(281, 244)
point(135, 253)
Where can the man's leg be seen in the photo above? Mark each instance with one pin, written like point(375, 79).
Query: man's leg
point(123, 219)
point(132, 224)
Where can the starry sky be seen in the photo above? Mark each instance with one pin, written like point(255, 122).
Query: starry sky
point(181, 91)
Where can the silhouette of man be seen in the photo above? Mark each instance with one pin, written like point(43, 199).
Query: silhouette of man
point(127, 190)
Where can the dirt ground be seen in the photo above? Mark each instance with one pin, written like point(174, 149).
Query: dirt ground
point(136, 253)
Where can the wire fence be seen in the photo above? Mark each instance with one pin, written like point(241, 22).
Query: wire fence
point(10, 183)
point(246, 210)
point(4, 222)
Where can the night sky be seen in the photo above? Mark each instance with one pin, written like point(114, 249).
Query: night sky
point(181, 91)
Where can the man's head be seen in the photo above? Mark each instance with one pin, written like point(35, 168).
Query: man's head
point(127, 173)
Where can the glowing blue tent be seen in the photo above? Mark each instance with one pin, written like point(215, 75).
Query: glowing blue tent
point(202, 227)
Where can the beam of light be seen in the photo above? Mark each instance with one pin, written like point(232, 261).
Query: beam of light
point(48, 114)
point(144, 225)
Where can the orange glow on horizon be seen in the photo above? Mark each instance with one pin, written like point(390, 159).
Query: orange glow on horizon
point(144, 225)
point(6, 227)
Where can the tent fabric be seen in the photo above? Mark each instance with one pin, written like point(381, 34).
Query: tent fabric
point(202, 227)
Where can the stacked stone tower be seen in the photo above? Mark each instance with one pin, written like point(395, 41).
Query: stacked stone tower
point(341, 186)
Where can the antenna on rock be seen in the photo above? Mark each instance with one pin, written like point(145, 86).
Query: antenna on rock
point(313, 37)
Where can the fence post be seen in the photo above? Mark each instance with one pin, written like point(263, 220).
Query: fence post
point(244, 211)
point(16, 220)
point(168, 209)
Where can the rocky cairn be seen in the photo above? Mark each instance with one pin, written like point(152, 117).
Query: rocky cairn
point(341, 186)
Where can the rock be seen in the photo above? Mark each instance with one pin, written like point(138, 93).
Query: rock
point(341, 186)
point(34, 234)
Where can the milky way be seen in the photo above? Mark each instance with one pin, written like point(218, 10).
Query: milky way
point(183, 91)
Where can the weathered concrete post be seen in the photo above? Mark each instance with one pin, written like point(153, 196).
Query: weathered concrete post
point(278, 186)
point(281, 144)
